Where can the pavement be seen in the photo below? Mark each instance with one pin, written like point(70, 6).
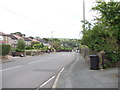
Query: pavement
point(79, 75)
point(9, 59)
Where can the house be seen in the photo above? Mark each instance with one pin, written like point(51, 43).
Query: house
point(4, 38)
point(28, 41)
point(45, 43)
point(14, 39)
point(35, 40)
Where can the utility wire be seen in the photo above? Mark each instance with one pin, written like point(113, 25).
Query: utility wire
point(26, 17)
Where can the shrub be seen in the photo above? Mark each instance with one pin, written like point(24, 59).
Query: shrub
point(113, 57)
point(20, 45)
point(19, 50)
point(4, 49)
point(44, 48)
point(34, 42)
point(28, 47)
point(38, 46)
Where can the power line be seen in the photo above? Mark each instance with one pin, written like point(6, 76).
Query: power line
point(26, 17)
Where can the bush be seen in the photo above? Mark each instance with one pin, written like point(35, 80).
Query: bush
point(4, 49)
point(38, 46)
point(44, 48)
point(20, 45)
point(19, 50)
point(28, 47)
point(112, 57)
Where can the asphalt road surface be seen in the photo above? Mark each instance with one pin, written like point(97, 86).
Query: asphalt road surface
point(35, 71)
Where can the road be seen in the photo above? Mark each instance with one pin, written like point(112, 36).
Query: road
point(35, 71)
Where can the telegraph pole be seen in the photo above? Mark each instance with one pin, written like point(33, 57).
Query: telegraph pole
point(83, 10)
point(84, 25)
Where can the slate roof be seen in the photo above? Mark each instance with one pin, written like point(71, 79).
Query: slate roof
point(3, 34)
point(27, 39)
point(13, 37)
point(17, 36)
point(42, 41)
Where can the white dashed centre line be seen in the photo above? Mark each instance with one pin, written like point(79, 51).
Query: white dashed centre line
point(35, 62)
point(19, 66)
point(12, 68)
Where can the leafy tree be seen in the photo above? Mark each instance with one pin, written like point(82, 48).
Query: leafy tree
point(19, 33)
point(109, 18)
point(20, 45)
point(104, 35)
point(46, 39)
point(31, 37)
point(56, 44)
point(71, 43)
point(38, 38)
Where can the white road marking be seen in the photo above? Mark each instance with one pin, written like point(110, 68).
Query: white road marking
point(35, 62)
point(62, 70)
point(12, 68)
point(56, 80)
point(47, 81)
point(19, 66)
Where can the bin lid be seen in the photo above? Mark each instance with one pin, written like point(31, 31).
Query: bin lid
point(93, 55)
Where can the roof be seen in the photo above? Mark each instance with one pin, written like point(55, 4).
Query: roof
point(35, 40)
point(27, 39)
point(42, 41)
point(3, 34)
point(12, 37)
point(17, 36)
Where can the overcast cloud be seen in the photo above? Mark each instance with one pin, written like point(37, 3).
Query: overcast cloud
point(40, 17)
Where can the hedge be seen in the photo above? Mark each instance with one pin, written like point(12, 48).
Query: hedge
point(4, 49)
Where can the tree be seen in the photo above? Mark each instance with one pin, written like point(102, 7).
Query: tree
point(46, 39)
point(109, 18)
point(31, 37)
point(71, 43)
point(38, 38)
point(104, 34)
point(21, 45)
point(86, 26)
point(19, 33)
point(56, 44)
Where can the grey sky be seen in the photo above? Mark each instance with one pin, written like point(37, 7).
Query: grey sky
point(40, 17)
